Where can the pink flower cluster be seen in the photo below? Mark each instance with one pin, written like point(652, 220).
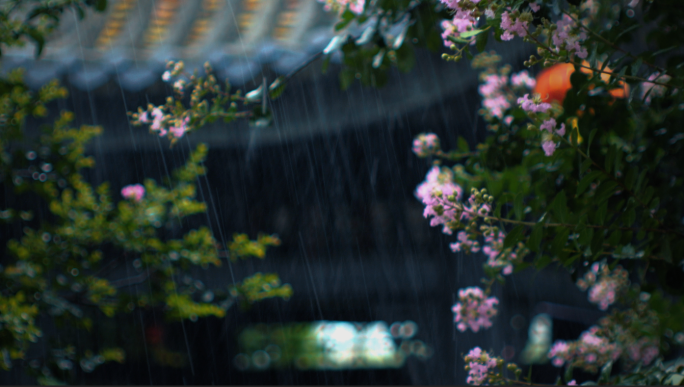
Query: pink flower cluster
point(523, 79)
point(180, 127)
point(497, 96)
point(157, 120)
point(548, 145)
point(568, 36)
point(495, 100)
point(134, 191)
point(339, 6)
point(512, 27)
point(559, 353)
point(463, 243)
point(589, 352)
point(644, 350)
point(497, 257)
point(474, 309)
point(650, 90)
point(425, 144)
point(463, 20)
point(434, 192)
point(479, 365)
point(604, 285)
point(533, 105)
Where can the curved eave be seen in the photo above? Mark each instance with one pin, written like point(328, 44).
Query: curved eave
point(131, 43)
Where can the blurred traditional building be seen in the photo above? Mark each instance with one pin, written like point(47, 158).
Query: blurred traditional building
point(133, 40)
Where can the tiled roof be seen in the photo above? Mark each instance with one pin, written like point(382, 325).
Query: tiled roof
point(133, 39)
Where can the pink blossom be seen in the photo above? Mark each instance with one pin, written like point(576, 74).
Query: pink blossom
point(535, 7)
point(158, 118)
point(561, 130)
point(531, 106)
point(479, 364)
point(143, 118)
point(135, 192)
point(435, 193)
point(572, 383)
point(166, 76)
point(463, 243)
point(494, 100)
point(650, 90)
point(461, 22)
point(523, 79)
point(512, 28)
point(569, 37)
point(497, 257)
point(549, 125)
point(179, 130)
point(425, 144)
point(179, 85)
point(474, 309)
point(356, 6)
point(604, 285)
point(643, 350)
point(549, 147)
point(559, 353)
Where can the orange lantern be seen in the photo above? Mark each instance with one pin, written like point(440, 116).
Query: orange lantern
point(554, 82)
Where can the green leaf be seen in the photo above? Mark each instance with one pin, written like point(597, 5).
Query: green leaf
point(559, 207)
point(346, 78)
point(471, 33)
point(347, 17)
point(631, 177)
point(636, 66)
point(518, 206)
point(664, 50)
point(536, 237)
point(38, 38)
point(591, 139)
point(277, 87)
point(406, 58)
point(605, 190)
point(100, 5)
point(568, 373)
point(600, 214)
point(585, 165)
point(630, 217)
point(648, 193)
point(326, 63)
point(587, 180)
point(560, 240)
point(455, 39)
point(604, 378)
point(665, 250)
point(462, 145)
point(514, 236)
point(597, 242)
point(481, 42)
point(610, 158)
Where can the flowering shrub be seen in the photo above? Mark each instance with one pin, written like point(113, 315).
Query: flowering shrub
point(591, 184)
point(59, 292)
point(474, 310)
point(479, 366)
point(135, 192)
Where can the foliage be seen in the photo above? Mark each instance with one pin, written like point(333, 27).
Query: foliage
point(594, 181)
point(61, 270)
